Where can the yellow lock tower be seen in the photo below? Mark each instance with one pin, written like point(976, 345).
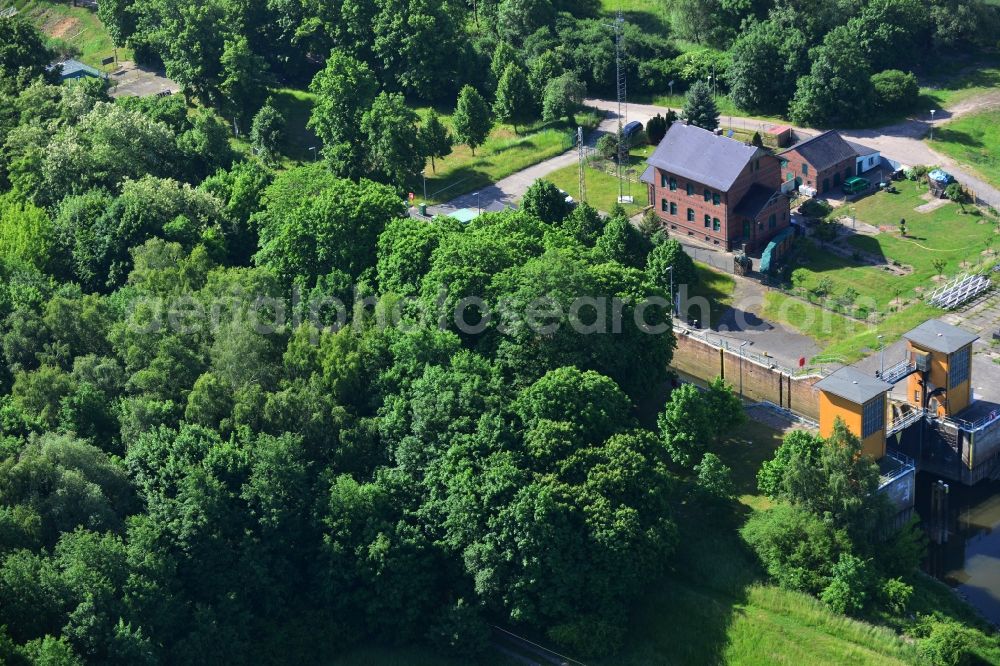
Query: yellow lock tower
point(944, 355)
point(859, 400)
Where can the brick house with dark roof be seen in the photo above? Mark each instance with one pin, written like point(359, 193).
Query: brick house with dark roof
point(825, 161)
point(716, 189)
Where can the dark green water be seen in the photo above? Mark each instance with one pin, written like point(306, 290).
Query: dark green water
point(970, 561)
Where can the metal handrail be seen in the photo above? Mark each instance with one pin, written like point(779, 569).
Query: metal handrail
point(972, 426)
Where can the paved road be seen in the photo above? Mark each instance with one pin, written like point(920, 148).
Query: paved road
point(902, 142)
point(509, 190)
point(131, 79)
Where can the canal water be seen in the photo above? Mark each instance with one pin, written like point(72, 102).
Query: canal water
point(970, 560)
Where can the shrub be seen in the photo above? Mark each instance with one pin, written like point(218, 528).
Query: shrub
point(815, 209)
point(895, 90)
point(848, 591)
point(797, 548)
point(896, 595)
point(607, 146)
point(948, 644)
point(714, 477)
point(656, 128)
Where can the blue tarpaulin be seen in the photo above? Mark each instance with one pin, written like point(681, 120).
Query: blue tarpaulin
point(940, 176)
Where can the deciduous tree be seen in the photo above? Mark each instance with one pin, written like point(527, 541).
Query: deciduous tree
point(471, 120)
point(435, 138)
point(345, 89)
point(513, 101)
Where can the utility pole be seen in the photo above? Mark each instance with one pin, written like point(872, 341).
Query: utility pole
point(583, 164)
point(622, 104)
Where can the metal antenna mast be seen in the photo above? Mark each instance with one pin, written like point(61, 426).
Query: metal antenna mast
point(583, 164)
point(622, 104)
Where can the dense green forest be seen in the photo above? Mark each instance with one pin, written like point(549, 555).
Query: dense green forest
point(252, 412)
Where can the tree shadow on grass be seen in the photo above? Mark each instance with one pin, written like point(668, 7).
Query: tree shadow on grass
point(459, 181)
point(947, 135)
point(686, 617)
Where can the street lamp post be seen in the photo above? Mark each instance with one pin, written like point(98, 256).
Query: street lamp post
point(479, 208)
point(881, 357)
point(671, 84)
point(425, 186)
point(313, 149)
point(932, 124)
point(742, 345)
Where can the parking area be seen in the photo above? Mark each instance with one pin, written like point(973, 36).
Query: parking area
point(134, 80)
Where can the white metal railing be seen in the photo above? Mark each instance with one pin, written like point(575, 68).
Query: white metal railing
point(905, 421)
point(978, 424)
point(899, 371)
point(897, 465)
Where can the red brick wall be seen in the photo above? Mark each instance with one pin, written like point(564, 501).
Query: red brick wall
point(730, 233)
point(699, 359)
point(816, 178)
point(696, 201)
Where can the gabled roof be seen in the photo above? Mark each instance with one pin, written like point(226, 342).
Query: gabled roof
point(825, 150)
point(70, 66)
point(647, 175)
point(862, 150)
point(853, 385)
point(754, 200)
point(701, 156)
point(938, 336)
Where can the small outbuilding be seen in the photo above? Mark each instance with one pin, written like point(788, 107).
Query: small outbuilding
point(778, 135)
point(74, 69)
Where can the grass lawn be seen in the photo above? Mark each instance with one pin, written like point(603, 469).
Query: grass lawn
point(602, 188)
point(844, 340)
point(943, 234)
point(714, 607)
point(715, 286)
point(77, 27)
point(650, 14)
point(503, 153)
point(676, 102)
point(296, 106)
point(973, 140)
point(959, 88)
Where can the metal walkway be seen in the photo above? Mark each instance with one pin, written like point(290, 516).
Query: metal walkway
point(905, 421)
point(899, 372)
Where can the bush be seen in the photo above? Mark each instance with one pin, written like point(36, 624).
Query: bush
point(459, 629)
point(849, 590)
point(588, 635)
point(714, 477)
point(797, 548)
point(895, 595)
point(656, 128)
point(948, 644)
point(895, 90)
point(815, 209)
point(607, 146)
